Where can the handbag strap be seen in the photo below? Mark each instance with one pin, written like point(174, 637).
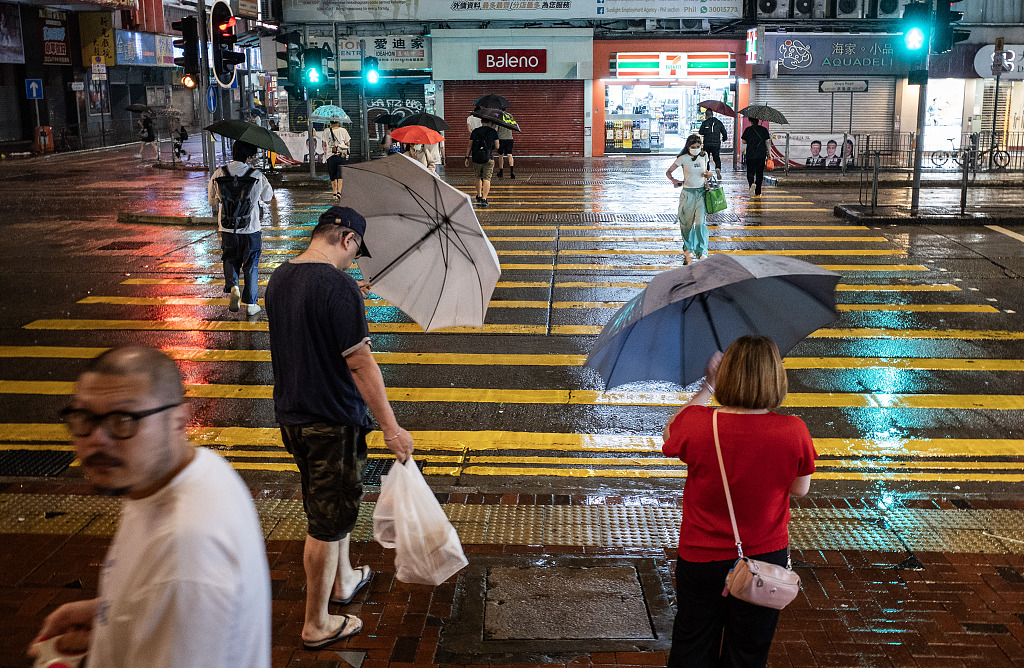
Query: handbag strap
point(725, 482)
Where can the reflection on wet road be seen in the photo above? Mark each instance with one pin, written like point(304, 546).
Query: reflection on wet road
point(915, 385)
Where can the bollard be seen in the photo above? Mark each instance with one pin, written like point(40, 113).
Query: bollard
point(963, 190)
point(842, 152)
point(874, 183)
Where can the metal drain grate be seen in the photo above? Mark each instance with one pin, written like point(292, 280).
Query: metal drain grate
point(375, 468)
point(500, 216)
point(125, 245)
point(35, 463)
point(723, 217)
point(635, 218)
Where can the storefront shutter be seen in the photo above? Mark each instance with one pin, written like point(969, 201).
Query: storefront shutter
point(809, 110)
point(550, 113)
point(989, 104)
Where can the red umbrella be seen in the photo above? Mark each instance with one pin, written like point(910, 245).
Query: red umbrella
point(718, 107)
point(416, 134)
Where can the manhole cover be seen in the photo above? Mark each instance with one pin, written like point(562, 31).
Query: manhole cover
point(563, 603)
point(34, 463)
point(375, 468)
point(124, 245)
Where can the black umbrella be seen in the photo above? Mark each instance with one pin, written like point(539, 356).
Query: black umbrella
point(671, 329)
point(764, 113)
point(491, 101)
point(431, 121)
point(137, 108)
point(256, 111)
point(498, 117)
point(252, 134)
point(390, 120)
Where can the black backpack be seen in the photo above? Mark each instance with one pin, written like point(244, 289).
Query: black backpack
point(481, 151)
point(235, 204)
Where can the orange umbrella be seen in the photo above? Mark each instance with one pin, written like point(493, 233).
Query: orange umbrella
point(416, 134)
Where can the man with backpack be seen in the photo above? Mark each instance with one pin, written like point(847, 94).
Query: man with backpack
point(712, 131)
point(235, 192)
point(483, 142)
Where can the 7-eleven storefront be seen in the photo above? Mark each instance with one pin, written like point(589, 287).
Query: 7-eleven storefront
point(646, 92)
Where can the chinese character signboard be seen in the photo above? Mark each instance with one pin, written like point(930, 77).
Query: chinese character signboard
point(302, 11)
point(54, 26)
point(135, 48)
point(97, 33)
point(249, 8)
point(836, 55)
point(12, 50)
point(1012, 59)
point(393, 52)
point(164, 51)
point(752, 46)
point(663, 65)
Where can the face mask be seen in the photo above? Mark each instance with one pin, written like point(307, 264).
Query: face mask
point(694, 151)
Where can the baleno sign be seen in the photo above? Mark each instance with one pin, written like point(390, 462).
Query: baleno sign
point(512, 61)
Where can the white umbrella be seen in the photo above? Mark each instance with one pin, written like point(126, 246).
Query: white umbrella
point(430, 258)
point(330, 112)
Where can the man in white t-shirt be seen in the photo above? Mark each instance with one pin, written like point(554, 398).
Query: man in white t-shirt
point(472, 122)
point(241, 238)
point(185, 582)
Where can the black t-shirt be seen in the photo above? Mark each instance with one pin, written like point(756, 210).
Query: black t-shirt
point(757, 137)
point(488, 136)
point(316, 313)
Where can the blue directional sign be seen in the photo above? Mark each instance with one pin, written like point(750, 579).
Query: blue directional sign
point(34, 89)
point(211, 98)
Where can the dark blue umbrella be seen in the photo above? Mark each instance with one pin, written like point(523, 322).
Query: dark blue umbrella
point(671, 329)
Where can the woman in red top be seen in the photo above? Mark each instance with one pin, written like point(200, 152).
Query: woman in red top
point(768, 457)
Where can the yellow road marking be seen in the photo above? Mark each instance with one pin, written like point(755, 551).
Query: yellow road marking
point(1003, 230)
point(856, 287)
point(193, 324)
point(713, 238)
point(512, 359)
point(579, 397)
point(489, 442)
point(562, 266)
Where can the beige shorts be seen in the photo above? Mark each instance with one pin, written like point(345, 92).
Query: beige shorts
point(484, 170)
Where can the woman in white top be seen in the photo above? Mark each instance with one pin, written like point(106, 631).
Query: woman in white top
point(336, 140)
point(692, 214)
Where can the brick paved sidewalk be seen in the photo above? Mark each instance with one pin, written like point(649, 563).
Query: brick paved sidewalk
point(856, 608)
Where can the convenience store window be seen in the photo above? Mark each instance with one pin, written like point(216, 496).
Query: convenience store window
point(664, 113)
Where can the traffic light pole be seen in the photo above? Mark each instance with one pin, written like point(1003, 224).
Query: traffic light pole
point(201, 86)
point(922, 107)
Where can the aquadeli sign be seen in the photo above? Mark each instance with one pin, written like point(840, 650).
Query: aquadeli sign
point(512, 61)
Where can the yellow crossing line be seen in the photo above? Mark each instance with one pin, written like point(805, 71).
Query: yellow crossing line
point(193, 324)
point(217, 280)
point(513, 359)
point(673, 226)
point(934, 287)
point(667, 461)
point(578, 397)
point(196, 325)
point(638, 239)
point(489, 442)
point(918, 308)
point(630, 267)
point(611, 252)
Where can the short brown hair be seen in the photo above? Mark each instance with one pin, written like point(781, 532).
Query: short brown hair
point(751, 375)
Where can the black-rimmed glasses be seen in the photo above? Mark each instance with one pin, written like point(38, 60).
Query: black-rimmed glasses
point(120, 425)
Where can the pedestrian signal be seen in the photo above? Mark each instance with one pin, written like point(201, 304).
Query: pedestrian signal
point(946, 33)
point(916, 26)
point(371, 70)
point(313, 73)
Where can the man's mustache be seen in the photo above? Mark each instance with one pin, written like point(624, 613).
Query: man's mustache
point(100, 459)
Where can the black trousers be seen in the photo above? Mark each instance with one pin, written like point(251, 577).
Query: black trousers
point(715, 631)
point(714, 152)
point(755, 172)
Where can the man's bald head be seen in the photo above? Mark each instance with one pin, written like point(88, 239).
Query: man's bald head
point(164, 377)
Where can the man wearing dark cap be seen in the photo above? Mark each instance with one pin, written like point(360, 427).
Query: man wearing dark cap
point(325, 377)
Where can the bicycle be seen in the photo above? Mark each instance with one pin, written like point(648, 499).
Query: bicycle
point(971, 156)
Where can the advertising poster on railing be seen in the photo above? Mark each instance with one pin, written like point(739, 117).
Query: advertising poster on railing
point(814, 151)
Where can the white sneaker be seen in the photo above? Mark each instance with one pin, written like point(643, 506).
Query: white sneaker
point(753, 189)
point(234, 299)
point(252, 309)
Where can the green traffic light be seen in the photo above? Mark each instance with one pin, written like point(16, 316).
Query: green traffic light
point(372, 76)
point(913, 38)
point(312, 76)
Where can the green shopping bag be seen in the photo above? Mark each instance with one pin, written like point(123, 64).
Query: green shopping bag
point(714, 200)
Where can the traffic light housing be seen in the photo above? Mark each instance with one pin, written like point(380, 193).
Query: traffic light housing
point(371, 70)
point(916, 26)
point(946, 33)
point(313, 73)
point(189, 45)
point(222, 38)
point(290, 75)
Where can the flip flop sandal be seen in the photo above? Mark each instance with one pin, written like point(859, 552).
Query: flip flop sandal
point(367, 576)
point(347, 630)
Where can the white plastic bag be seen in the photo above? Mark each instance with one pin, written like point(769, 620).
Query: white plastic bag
point(409, 519)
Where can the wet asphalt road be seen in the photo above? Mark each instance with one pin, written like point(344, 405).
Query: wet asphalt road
point(915, 389)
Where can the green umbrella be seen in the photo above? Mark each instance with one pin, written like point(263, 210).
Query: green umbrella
point(252, 134)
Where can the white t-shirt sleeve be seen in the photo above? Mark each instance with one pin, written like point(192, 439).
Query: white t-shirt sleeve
point(678, 161)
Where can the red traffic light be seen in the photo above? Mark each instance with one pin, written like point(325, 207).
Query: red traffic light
point(226, 27)
point(188, 81)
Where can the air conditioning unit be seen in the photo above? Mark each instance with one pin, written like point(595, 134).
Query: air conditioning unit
point(890, 9)
point(694, 25)
point(849, 9)
point(809, 9)
point(773, 9)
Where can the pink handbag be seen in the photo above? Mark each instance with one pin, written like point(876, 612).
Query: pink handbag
point(750, 580)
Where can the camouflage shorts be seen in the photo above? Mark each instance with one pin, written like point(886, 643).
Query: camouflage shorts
point(331, 461)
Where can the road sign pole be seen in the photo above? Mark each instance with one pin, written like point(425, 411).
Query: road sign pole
point(922, 99)
point(995, 117)
point(103, 121)
point(202, 85)
point(37, 111)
